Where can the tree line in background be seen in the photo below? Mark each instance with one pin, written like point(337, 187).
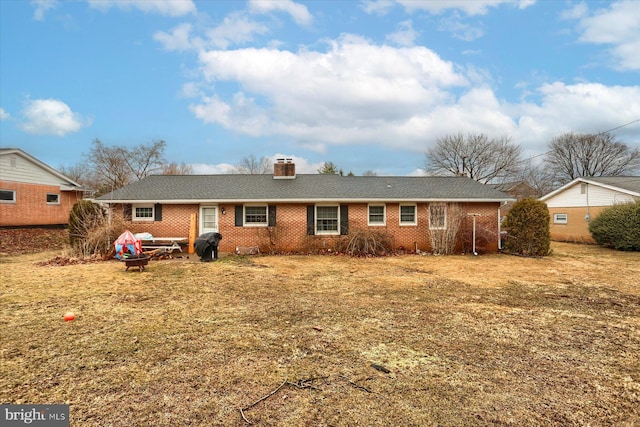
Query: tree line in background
point(484, 159)
point(499, 160)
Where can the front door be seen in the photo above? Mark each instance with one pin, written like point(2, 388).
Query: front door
point(208, 219)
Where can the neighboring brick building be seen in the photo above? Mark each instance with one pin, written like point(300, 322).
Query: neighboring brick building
point(573, 205)
point(32, 193)
point(285, 212)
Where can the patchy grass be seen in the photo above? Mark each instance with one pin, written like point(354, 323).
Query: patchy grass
point(489, 340)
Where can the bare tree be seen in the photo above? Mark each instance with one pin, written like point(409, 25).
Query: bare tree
point(482, 159)
point(110, 168)
point(576, 155)
point(369, 172)
point(174, 168)
point(538, 176)
point(107, 167)
point(254, 166)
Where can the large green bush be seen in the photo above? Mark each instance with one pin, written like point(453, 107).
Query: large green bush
point(527, 227)
point(618, 227)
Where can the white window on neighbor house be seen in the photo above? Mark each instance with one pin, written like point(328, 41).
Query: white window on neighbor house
point(560, 218)
point(53, 199)
point(327, 220)
point(142, 213)
point(7, 196)
point(255, 215)
point(408, 215)
point(437, 216)
point(377, 215)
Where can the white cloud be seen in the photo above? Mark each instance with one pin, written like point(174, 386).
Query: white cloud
point(42, 6)
point(405, 36)
point(354, 92)
point(178, 39)
point(454, 24)
point(618, 26)
point(4, 115)
point(162, 7)
point(377, 7)
point(50, 117)
point(583, 108)
point(469, 7)
point(212, 169)
point(357, 92)
point(235, 29)
point(298, 12)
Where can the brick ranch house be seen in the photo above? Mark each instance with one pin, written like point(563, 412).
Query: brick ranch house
point(33, 194)
point(573, 205)
point(286, 212)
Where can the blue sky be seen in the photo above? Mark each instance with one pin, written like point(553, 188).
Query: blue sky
point(368, 85)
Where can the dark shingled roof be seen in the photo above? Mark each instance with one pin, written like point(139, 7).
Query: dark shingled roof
point(630, 183)
point(302, 188)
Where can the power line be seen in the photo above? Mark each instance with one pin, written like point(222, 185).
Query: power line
point(597, 134)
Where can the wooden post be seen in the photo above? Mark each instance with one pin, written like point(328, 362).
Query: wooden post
point(192, 233)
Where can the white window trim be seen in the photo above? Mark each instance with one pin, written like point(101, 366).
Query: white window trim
point(558, 221)
point(384, 215)
point(445, 216)
point(10, 201)
point(326, 232)
point(415, 214)
point(57, 196)
point(134, 211)
point(255, 224)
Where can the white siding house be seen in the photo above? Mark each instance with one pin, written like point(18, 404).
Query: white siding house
point(573, 205)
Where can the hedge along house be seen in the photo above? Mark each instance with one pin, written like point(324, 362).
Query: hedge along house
point(33, 194)
point(573, 205)
point(286, 212)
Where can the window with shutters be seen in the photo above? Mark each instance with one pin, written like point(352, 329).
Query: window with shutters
point(327, 220)
point(142, 213)
point(255, 215)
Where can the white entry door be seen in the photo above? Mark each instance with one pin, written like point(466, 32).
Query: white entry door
point(208, 219)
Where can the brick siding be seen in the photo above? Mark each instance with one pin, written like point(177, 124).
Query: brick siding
point(290, 232)
point(31, 207)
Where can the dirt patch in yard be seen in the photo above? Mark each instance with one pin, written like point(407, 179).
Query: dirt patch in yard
point(489, 340)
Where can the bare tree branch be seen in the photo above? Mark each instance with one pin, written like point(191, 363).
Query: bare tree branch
point(577, 155)
point(482, 159)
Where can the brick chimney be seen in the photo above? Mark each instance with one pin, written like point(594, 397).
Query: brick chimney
point(284, 169)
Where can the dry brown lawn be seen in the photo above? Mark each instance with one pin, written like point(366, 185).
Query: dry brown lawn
point(488, 340)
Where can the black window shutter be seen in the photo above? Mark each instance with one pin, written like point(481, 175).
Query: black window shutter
point(344, 220)
point(239, 215)
point(272, 216)
point(311, 210)
point(157, 212)
point(126, 211)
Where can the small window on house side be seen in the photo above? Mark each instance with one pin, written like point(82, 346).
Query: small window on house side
point(327, 220)
point(408, 215)
point(560, 218)
point(7, 196)
point(53, 199)
point(376, 215)
point(437, 216)
point(143, 213)
point(255, 215)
